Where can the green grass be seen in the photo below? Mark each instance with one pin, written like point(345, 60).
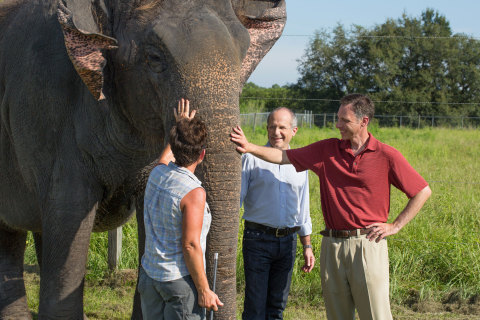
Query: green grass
point(436, 256)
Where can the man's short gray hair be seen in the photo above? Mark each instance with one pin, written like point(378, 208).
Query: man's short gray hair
point(293, 123)
point(362, 105)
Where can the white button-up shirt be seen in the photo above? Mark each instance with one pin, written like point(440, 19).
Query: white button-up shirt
point(275, 195)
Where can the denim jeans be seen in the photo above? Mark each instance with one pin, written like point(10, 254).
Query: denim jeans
point(169, 300)
point(268, 265)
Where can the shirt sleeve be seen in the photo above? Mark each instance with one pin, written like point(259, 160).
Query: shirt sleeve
point(306, 227)
point(246, 165)
point(304, 158)
point(404, 177)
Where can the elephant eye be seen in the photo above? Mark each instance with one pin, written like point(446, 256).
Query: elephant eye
point(156, 61)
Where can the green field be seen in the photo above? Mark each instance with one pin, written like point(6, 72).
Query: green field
point(434, 260)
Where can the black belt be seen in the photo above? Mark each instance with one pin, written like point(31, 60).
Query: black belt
point(344, 233)
point(277, 232)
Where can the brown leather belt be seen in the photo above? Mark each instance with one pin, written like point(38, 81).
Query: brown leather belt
point(343, 233)
point(277, 232)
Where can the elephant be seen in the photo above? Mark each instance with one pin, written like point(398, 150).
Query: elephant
point(87, 90)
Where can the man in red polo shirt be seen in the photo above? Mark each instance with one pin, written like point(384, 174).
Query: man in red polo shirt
point(355, 175)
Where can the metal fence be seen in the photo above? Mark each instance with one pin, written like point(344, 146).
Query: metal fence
point(308, 119)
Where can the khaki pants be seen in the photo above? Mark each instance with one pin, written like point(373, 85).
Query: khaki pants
point(355, 274)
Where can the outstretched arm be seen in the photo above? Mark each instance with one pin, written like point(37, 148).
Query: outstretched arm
point(167, 155)
point(182, 111)
point(272, 155)
point(382, 230)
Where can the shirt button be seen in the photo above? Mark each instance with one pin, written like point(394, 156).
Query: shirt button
point(354, 163)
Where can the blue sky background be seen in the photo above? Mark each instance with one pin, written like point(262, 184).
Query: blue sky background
point(305, 16)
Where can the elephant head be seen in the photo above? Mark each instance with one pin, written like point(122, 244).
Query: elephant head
point(87, 90)
point(137, 58)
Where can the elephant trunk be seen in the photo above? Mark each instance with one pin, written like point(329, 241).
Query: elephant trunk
point(212, 84)
point(220, 174)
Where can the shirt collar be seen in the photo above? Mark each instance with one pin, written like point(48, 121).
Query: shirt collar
point(183, 170)
point(371, 145)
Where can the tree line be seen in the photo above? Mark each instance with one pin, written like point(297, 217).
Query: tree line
point(408, 66)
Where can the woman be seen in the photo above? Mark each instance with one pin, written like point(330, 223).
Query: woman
point(177, 219)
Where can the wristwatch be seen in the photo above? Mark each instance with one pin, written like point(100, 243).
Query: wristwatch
point(305, 246)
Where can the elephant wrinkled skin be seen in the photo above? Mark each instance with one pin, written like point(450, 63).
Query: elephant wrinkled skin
point(87, 90)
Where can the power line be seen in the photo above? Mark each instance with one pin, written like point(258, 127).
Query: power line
point(395, 37)
point(418, 37)
point(376, 101)
point(300, 114)
point(291, 99)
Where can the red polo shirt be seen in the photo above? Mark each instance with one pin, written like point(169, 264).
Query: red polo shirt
point(355, 191)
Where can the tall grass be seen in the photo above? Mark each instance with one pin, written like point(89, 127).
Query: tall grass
point(436, 253)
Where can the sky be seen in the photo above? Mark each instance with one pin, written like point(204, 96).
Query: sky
point(279, 66)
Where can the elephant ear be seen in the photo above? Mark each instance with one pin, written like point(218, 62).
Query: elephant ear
point(265, 21)
point(82, 27)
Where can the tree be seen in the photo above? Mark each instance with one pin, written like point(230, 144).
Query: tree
point(408, 66)
point(258, 99)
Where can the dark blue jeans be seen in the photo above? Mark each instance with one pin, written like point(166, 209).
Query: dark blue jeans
point(268, 265)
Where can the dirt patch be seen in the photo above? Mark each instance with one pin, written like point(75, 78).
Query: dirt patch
point(116, 278)
point(31, 274)
point(120, 278)
point(452, 302)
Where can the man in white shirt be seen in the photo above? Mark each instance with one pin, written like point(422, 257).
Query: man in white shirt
point(276, 207)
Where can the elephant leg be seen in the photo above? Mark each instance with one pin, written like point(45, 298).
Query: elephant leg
point(13, 300)
point(37, 238)
point(65, 241)
point(137, 311)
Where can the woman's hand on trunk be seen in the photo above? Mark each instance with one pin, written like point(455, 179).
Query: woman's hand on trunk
point(183, 110)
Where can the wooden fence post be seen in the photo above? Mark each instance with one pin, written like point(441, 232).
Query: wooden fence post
point(114, 248)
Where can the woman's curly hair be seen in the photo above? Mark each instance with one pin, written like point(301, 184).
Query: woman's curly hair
point(187, 140)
